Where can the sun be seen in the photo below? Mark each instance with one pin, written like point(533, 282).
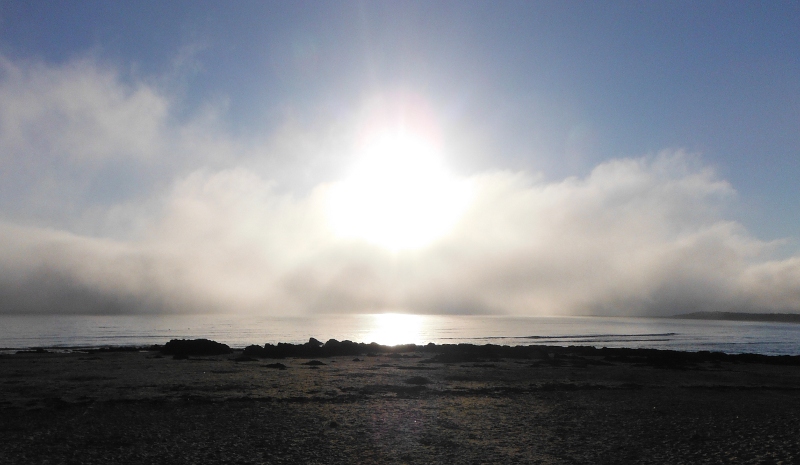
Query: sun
point(398, 195)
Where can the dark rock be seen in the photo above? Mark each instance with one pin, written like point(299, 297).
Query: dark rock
point(279, 366)
point(540, 355)
point(314, 363)
point(254, 351)
point(334, 348)
point(182, 348)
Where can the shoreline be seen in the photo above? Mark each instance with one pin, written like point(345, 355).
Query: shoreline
point(316, 348)
point(665, 334)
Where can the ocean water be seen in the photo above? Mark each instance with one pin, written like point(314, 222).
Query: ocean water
point(17, 332)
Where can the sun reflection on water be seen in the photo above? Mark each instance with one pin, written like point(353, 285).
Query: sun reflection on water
point(395, 328)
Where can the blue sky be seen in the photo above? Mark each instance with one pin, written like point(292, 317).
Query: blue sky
point(272, 95)
point(625, 78)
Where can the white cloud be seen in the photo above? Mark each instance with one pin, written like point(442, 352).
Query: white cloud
point(637, 236)
point(79, 139)
point(78, 112)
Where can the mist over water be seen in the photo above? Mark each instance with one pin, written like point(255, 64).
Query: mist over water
point(690, 335)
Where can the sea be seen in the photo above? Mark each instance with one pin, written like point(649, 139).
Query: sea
point(82, 331)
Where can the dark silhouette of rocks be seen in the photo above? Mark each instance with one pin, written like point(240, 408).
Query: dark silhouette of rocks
point(333, 348)
point(184, 348)
point(279, 366)
point(314, 363)
point(539, 355)
point(255, 351)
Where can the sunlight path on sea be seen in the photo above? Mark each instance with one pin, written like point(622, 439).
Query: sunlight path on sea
point(240, 331)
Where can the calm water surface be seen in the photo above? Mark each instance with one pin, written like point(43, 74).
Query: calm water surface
point(92, 331)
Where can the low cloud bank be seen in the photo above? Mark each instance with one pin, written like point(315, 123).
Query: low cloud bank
point(636, 237)
point(211, 233)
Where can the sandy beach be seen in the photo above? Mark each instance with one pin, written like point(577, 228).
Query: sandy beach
point(417, 407)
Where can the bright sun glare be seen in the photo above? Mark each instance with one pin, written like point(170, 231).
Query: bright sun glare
point(398, 195)
point(396, 328)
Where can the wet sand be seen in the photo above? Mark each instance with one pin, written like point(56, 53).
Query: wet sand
point(566, 406)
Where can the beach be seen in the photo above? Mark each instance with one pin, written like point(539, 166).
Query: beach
point(543, 405)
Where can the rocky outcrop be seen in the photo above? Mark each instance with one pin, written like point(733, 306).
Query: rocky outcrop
point(184, 348)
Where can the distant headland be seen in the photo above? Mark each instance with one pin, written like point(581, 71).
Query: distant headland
point(735, 316)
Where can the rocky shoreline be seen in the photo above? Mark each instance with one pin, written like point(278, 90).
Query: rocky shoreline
point(342, 402)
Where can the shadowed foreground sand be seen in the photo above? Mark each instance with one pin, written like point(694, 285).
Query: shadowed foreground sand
point(563, 407)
